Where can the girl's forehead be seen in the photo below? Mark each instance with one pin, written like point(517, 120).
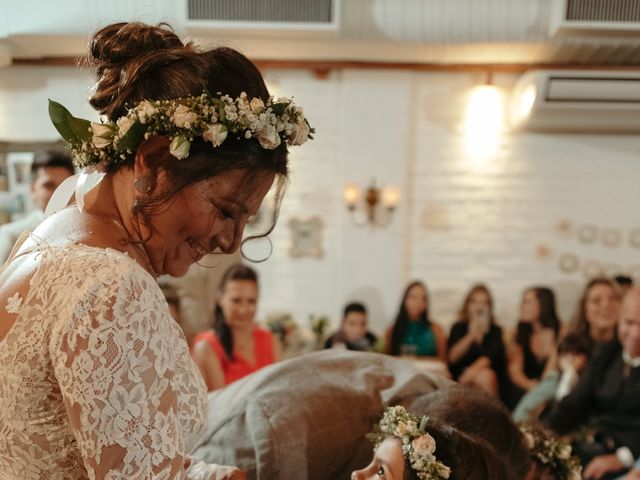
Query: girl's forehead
point(390, 453)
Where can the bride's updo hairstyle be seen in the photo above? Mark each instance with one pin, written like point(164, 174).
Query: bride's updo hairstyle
point(134, 62)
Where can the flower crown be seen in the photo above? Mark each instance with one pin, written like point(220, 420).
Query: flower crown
point(552, 453)
point(183, 119)
point(418, 447)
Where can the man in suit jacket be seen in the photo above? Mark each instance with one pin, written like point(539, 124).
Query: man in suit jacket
point(609, 391)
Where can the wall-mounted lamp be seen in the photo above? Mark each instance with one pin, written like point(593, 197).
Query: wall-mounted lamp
point(378, 204)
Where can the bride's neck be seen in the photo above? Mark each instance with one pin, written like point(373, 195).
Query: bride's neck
point(113, 201)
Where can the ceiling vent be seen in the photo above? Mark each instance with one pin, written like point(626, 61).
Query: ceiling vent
point(578, 101)
point(595, 17)
point(263, 15)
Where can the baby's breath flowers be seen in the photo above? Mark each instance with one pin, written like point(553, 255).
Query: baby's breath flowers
point(418, 446)
point(214, 118)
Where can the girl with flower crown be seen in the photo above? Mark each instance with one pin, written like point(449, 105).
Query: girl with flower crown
point(96, 380)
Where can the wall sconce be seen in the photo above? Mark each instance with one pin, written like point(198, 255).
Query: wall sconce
point(378, 205)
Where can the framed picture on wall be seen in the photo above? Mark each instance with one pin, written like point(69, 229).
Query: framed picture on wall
point(306, 237)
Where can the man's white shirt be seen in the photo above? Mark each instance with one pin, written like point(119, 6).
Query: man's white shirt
point(9, 232)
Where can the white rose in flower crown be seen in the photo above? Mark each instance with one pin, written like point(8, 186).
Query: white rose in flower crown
point(215, 133)
point(300, 134)
point(124, 124)
point(179, 147)
point(257, 105)
point(102, 135)
point(424, 445)
point(268, 137)
point(183, 117)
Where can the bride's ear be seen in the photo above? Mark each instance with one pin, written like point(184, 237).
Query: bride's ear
point(149, 152)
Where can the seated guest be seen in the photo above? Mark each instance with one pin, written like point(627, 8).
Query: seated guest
point(237, 347)
point(48, 170)
point(598, 312)
point(413, 332)
point(535, 342)
point(573, 355)
point(353, 333)
point(609, 391)
point(476, 349)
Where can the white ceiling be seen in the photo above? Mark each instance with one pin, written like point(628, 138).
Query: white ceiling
point(415, 31)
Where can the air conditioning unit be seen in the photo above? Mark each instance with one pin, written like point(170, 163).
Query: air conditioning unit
point(577, 101)
point(263, 16)
point(595, 17)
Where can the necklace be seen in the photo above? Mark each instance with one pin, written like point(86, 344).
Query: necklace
point(127, 241)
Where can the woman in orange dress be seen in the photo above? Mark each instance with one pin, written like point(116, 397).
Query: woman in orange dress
point(236, 347)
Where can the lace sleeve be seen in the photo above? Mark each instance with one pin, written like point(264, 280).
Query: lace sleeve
point(115, 362)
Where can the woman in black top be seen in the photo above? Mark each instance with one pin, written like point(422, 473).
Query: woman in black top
point(535, 341)
point(476, 349)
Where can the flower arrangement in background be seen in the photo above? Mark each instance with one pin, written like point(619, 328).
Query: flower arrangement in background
point(294, 339)
point(319, 325)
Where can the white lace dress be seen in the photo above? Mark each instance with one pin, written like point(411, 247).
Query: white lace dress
point(96, 380)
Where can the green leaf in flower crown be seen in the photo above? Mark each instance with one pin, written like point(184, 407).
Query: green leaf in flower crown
point(423, 424)
point(61, 119)
point(132, 138)
point(81, 128)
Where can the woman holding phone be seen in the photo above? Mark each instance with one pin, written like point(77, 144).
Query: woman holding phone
point(476, 350)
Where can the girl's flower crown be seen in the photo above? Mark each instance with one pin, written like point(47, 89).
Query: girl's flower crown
point(418, 447)
point(552, 452)
point(183, 119)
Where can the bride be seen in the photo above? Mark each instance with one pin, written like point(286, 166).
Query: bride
point(96, 380)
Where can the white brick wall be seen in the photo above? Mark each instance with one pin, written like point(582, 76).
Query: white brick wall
point(456, 224)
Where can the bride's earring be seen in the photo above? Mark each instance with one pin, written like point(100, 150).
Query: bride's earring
point(142, 184)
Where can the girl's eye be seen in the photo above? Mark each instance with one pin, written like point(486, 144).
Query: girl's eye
point(380, 472)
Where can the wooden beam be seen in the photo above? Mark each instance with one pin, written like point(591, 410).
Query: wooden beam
point(322, 68)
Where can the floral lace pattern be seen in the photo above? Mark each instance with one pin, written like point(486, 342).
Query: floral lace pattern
point(95, 376)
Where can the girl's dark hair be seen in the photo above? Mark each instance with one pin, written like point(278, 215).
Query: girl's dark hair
point(134, 62)
point(402, 319)
point(469, 457)
point(580, 323)
point(236, 272)
point(548, 316)
point(463, 314)
point(480, 416)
